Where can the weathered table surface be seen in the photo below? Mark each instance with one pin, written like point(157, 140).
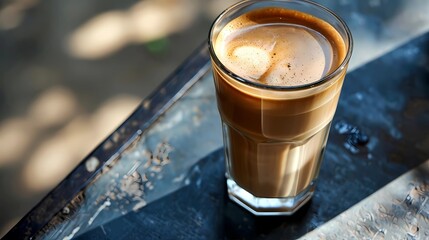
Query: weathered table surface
point(161, 174)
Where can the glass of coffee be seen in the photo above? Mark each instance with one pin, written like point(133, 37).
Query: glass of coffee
point(278, 68)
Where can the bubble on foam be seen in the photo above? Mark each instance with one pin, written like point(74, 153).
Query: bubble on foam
point(252, 60)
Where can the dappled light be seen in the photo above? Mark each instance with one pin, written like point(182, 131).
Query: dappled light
point(152, 20)
point(55, 157)
point(144, 22)
point(51, 160)
point(111, 113)
point(99, 37)
point(12, 13)
point(16, 136)
point(54, 107)
point(52, 116)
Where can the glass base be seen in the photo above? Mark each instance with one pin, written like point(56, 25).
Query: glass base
point(268, 206)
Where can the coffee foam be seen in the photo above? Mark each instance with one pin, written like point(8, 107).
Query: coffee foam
point(279, 54)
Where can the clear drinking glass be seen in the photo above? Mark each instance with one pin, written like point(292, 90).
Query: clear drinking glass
point(275, 135)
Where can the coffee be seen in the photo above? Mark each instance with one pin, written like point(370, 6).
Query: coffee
point(275, 126)
point(279, 53)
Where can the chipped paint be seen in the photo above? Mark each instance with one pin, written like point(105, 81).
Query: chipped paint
point(106, 204)
point(400, 210)
point(69, 237)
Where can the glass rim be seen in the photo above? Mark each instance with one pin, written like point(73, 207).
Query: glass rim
point(316, 83)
